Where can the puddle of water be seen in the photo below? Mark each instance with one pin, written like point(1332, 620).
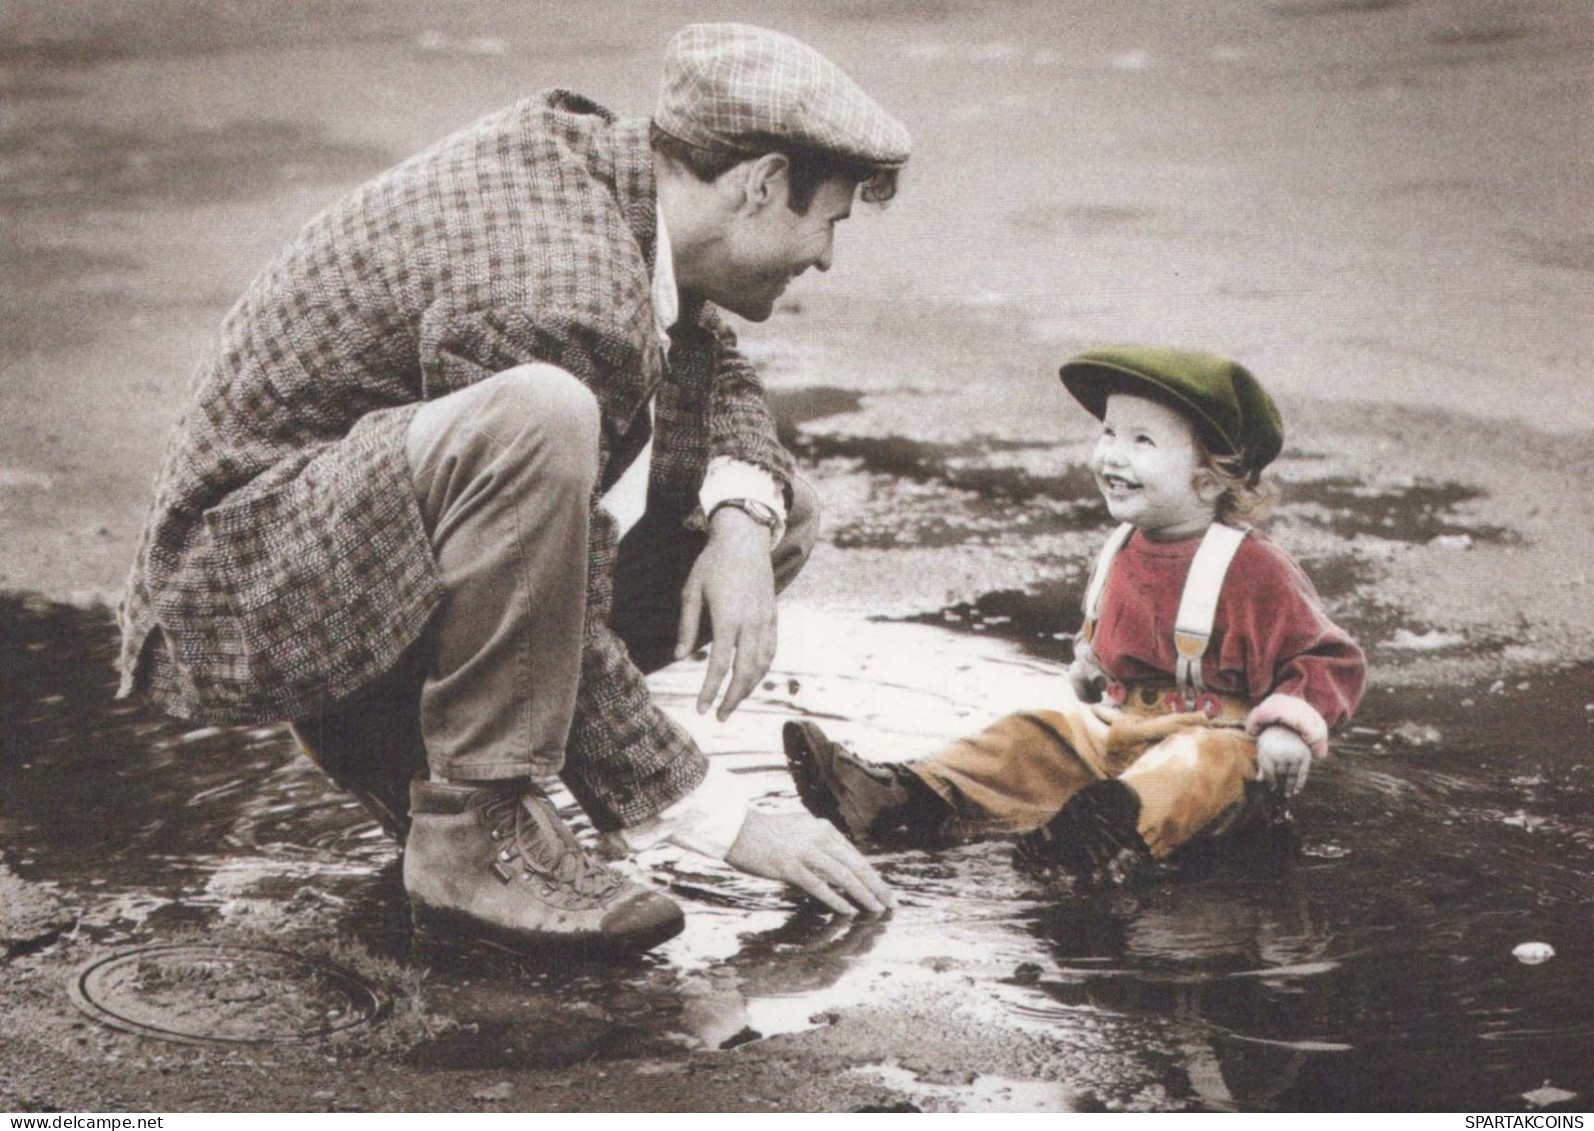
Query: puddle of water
point(963, 465)
point(1361, 959)
point(1042, 620)
point(938, 495)
point(1412, 512)
point(981, 1094)
point(795, 407)
point(927, 494)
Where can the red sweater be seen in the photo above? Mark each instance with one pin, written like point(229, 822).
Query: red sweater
point(1271, 636)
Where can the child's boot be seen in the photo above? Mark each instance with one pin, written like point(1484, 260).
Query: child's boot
point(865, 800)
point(1094, 837)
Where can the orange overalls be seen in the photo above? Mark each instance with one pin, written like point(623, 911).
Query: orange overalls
point(1188, 769)
point(1184, 751)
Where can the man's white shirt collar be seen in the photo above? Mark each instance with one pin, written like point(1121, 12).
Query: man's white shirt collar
point(666, 299)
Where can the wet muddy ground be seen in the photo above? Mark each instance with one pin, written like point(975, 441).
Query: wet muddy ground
point(1361, 956)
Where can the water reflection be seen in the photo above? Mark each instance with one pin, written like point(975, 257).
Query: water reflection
point(1361, 959)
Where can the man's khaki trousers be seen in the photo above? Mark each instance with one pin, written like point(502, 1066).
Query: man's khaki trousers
point(504, 473)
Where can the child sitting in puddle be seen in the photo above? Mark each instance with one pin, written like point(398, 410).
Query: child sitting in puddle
point(1205, 664)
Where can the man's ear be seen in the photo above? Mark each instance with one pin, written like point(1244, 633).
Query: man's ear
point(1208, 487)
point(767, 180)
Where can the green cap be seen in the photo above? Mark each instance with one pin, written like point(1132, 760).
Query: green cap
point(1225, 404)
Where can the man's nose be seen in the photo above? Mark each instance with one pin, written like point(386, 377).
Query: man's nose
point(823, 262)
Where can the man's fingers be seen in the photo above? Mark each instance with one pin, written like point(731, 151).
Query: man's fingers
point(743, 680)
point(846, 854)
point(754, 654)
point(844, 878)
point(863, 881)
point(691, 619)
point(804, 877)
point(719, 662)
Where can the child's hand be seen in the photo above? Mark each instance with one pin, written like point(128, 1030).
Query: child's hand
point(1283, 759)
point(1087, 678)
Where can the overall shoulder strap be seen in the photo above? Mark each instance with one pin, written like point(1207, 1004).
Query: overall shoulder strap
point(1098, 578)
point(1198, 605)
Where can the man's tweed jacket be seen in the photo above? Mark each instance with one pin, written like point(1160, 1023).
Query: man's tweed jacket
point(284, 564)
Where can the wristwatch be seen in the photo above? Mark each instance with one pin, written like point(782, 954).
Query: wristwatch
point(761, 513)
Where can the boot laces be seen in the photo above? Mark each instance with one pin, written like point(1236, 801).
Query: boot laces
point(545, 847)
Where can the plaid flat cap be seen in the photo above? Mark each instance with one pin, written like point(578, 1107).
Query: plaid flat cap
point(737, 87)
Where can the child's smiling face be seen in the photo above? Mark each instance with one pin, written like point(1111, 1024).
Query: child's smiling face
point(1147, 465)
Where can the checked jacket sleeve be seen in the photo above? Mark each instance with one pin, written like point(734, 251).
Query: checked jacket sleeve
point(626, 759)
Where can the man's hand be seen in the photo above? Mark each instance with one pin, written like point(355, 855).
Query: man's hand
point(803, 850)
point(733, 582)
point(1283, 759)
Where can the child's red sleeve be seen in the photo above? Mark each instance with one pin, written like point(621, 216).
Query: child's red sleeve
point(1303, 670)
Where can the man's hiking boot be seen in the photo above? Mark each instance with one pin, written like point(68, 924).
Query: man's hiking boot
point(865, 800)
point(494, 863)
point(1094, 837)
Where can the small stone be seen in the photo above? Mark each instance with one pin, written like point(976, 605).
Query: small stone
point(745, 1035)
point(1405, 640)
point(1533, 953)
point(500, 1091)
point(1545, 1095)
point(1416, 734)
point(1027, 973)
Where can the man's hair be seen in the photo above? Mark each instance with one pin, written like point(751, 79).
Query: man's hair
point(810, 168)
point(1247, 498)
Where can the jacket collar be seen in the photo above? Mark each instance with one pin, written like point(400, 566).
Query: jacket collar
point(630, 167)
point(619, 155)
point(638, 193)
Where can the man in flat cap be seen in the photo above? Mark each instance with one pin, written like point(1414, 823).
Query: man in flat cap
point(476, 452)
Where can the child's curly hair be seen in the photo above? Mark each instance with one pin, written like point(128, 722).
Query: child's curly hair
point(1247, 498)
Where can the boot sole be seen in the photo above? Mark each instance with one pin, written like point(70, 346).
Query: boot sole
point(447, 926)
point(802, 761)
